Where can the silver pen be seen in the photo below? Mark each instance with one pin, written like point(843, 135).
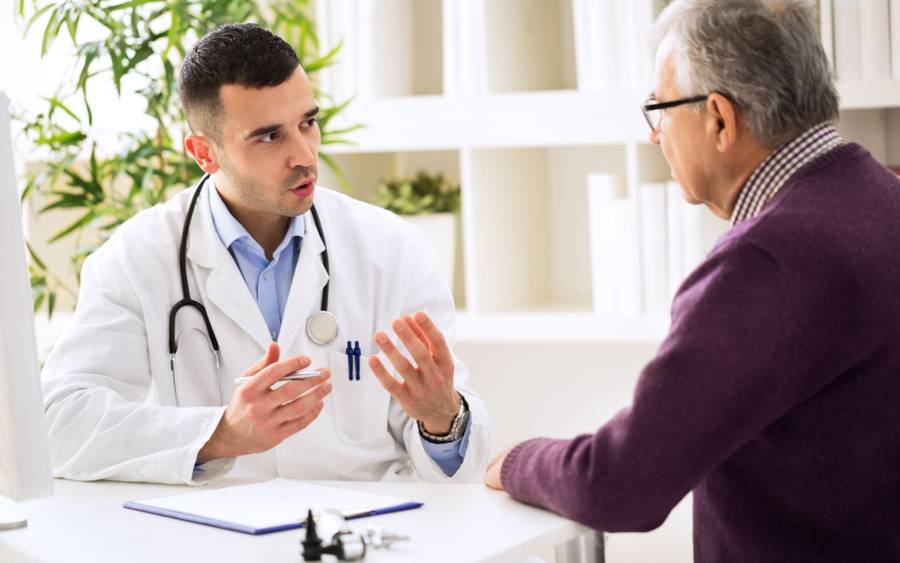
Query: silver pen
point(296, 376)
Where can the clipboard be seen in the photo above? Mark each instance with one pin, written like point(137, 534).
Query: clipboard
point(270, 506)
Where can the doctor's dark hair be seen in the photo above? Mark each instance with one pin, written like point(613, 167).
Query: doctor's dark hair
point(241, 54)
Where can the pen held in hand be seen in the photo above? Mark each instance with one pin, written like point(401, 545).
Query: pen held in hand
point(296, 376)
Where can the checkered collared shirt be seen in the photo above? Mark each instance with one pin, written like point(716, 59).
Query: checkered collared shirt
point(779, 166)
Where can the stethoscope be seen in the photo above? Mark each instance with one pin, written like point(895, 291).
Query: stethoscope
point(321, 326)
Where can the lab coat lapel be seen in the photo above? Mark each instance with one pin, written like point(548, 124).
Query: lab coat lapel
point(309, 279)
point(227, 294)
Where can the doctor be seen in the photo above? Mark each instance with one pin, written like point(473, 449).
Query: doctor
point(261, 273)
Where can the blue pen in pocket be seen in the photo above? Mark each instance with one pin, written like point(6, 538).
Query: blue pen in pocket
point(349, 353)
point(357, 353)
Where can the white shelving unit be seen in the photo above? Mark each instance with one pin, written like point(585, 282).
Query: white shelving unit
point(502, 96)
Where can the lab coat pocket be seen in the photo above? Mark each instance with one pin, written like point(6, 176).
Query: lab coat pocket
point(360, 402)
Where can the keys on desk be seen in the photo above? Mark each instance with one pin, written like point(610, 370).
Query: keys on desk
point(377, 538)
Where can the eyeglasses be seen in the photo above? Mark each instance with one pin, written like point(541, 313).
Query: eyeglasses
point(653, 110)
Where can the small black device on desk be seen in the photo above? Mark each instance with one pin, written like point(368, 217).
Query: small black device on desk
point(345, 545)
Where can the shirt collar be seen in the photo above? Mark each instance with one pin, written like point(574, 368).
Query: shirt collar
point(230, 229)
point(778, 167)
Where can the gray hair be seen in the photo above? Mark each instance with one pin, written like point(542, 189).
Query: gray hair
point(765, 55)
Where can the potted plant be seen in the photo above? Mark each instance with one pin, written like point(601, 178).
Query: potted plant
point(430, 202)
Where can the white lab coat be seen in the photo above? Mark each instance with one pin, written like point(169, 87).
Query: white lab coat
point(108, 389)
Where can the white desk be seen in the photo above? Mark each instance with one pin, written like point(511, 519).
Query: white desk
point(459, 523)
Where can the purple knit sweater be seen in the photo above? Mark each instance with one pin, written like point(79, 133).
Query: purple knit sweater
point(775, 397)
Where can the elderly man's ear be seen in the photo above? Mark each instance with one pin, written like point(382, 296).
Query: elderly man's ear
point(723, 121)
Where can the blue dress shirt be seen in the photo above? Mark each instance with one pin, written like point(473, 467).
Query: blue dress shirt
point(270, 282)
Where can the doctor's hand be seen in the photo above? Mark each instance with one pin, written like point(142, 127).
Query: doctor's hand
point(259, 418)
point(426, 392)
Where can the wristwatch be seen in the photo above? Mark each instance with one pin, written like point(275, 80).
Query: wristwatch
point(457, 428)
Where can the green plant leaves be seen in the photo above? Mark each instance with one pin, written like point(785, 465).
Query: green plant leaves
point(128, 5)
point(423, 193)
point(141, 46)
point(55, 103)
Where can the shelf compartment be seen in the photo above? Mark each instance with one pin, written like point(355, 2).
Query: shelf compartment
point(364, 171)
point(529, 45)
point(527, 225)
point(402, 48)
point(391, 47)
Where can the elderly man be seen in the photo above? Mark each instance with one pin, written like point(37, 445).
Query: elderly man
point(776, 396)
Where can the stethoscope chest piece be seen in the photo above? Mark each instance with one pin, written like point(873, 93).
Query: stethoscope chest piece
point(322, 327)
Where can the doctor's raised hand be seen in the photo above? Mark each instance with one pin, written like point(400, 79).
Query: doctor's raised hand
point(258, 417)
point(426, 393)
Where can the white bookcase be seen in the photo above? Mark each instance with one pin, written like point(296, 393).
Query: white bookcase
point(503, 96)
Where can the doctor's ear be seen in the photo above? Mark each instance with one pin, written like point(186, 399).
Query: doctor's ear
point(200, 147)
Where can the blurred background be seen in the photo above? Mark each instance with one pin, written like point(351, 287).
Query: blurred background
point(510, 131)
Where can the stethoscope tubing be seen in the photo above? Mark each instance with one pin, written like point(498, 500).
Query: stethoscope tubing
point(187, 301)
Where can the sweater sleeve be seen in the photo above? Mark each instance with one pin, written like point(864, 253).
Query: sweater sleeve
point(734, 361)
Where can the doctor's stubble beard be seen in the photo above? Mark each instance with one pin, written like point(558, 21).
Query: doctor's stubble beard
point(257, 196)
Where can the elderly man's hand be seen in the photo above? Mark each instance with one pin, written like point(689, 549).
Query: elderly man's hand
point(492, 473)
point(426, 392)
